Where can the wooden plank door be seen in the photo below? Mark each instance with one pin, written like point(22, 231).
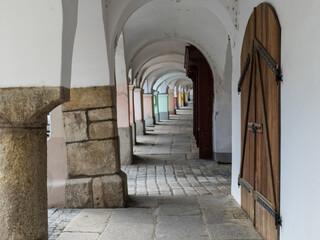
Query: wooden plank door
point(198, 69)
point(260, 117)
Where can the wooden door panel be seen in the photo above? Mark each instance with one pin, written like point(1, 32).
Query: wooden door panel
point(260, 157)
point(199, 70)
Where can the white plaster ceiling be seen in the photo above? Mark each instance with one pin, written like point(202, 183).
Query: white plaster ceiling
point(164, 59)
point(166, 79)
point(162, 48)
point(157, 69)
point(156, 75)
point(186, 21)
point(169, 83)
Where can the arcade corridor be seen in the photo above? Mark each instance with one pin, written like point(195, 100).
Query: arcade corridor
point(173, 195)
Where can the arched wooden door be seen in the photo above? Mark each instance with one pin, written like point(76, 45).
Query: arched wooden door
point(198, 69)
point(260, 121)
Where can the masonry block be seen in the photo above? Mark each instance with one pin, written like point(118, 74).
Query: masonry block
point(75, 125)
point(93, 158)
point(91, 97)
point(101, 114)
point(79, 193)
point(110, 191)
point(102, 130)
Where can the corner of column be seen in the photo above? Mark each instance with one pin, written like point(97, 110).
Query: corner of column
point(23, 159)
point(93, 153)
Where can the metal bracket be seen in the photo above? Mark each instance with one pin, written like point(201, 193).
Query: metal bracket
point(274, 214)
point(271, 63)
point(241, 183)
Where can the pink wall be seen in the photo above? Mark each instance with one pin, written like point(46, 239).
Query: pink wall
point(171, 101)
point(147, 106)
point(138, 104)
point(131, 104)
point(122, 105)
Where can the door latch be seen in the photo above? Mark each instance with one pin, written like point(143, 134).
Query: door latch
point(255, 127)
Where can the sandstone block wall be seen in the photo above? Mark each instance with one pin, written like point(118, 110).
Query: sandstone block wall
point(95, 178)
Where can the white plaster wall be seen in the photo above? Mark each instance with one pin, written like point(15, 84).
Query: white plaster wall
point(57, 161)
point(300, 113)
point(137, 104)
point(30, 43)
point(222, 119)
point(90, 59)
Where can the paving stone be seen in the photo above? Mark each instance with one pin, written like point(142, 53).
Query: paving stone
point(232, 231)
point(178, 206)
point(89, 220)
point(217, 202)
point(216, 216)
point(143, 201)
point(180, 226)
point(128, 231)
point(78, 236)
point(131, 223)
point(182, 238)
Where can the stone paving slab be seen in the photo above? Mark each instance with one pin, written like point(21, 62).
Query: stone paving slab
point(180, 226)
point(78, 236)
point(89, 220)
point(233, 231)
point(178, 206)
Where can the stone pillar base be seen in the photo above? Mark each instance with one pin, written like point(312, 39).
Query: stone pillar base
point(149, 121)
point(109, 191)
point(95, 178)
point(125, 139)
point(164, 115)
point(133, 131)
point(225, 158)
point(140, 127)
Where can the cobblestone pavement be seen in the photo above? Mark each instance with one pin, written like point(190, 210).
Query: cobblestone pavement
point(59, 219)
point(167, 163)
point(173, 196)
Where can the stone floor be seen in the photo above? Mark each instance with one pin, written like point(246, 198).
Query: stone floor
point(173, 195)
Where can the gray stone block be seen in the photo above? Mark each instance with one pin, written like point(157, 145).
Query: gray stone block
point(79, 193)
point(125, 140)
point(93, 158)
point(75, 125)
point(110, 191)
point(140, 128)
point(102, 130)
point(222, 157)
point(101, 114)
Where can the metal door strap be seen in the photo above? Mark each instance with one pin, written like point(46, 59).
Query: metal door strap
point(243, 73)
point(274, 214)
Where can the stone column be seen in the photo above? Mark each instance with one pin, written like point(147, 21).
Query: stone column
point(171, 101)
point(147, 109)
point(124, 128)
point(131, 111)
point(95, 179)
point(138, 111)
point(23, 160)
